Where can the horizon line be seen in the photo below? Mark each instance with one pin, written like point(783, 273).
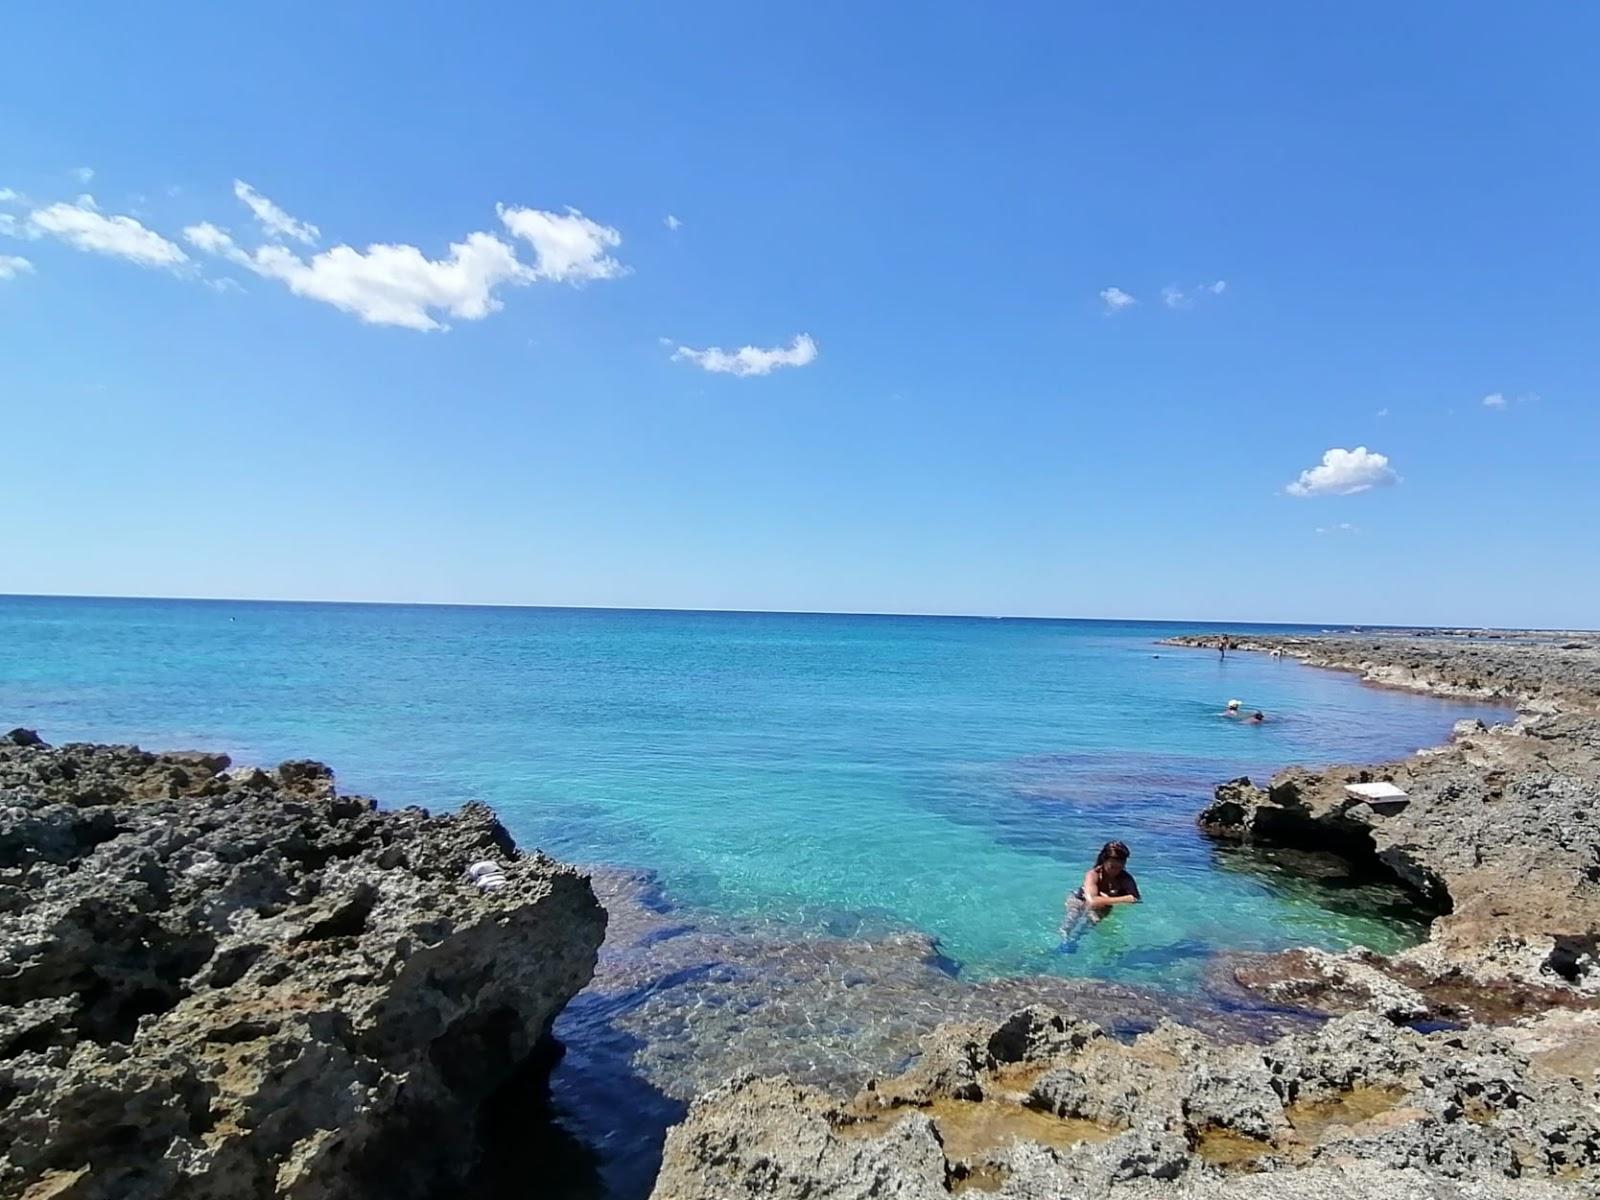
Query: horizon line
point(1342, 626)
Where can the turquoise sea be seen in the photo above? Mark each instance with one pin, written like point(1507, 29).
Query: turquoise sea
point(842, 774)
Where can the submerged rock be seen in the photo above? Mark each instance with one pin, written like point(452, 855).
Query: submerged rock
point(247, 985)
point(1357, 1108)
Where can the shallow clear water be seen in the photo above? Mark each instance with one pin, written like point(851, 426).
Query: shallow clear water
point(847, 775)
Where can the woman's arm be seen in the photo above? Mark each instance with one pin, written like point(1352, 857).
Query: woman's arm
point(1092, 896)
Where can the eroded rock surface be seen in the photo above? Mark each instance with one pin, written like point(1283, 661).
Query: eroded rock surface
point(1044, 1106)
point(244, 984)
point(1497, 830)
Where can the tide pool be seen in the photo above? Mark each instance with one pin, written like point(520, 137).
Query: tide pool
point(841, 774)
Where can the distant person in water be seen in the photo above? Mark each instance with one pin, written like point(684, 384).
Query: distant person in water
point(1233, 709)
point(1107, 883)
point(1222, 647)
point(1255, 718)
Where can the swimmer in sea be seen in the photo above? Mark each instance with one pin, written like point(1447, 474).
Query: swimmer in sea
point(1255, 718)
point(1107, 883)
point(1233, 709)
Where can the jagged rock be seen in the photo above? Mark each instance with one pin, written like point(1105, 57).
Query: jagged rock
point(1171, 1114)
point(237, 988)
point(1497, 835)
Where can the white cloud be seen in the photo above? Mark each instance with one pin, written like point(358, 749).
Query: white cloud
point(673, 223)
point(1116, 299)
point(83, 174)
point(1341, 527)
point(751, 360)
point(81, 224)
point(1383, 412)
point(1494, 400)
point(11, 266)
point(567, 247)
point(274, 220)
point(1174, 296)
point(384, 284)
point(7, 196)
point(399, 285)
point(1343, 473)
point(9, 226)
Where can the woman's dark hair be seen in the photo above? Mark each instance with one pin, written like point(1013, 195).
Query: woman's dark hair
point(1118, 850)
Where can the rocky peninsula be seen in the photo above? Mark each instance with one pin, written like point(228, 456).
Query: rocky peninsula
point(233, 984)
point(1466, 1067)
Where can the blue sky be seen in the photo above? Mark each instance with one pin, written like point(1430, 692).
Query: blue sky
point(1400, 202)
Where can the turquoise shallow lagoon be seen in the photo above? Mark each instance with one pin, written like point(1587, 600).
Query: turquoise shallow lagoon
point(813, 773)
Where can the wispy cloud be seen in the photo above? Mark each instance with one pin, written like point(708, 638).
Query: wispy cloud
point(1382, 412)
point(750, 360)
point(1115, 300)
point(83, 174)
point(672, 223)
point(12, 265)
point(1174, 296)
point(384, 284)
point(568, 247)
point(1341, 527)
point(400, 285)
point(274, 221)
point(1343, 473)
point(1501, 400)
point(7, 196)
point(83, 226)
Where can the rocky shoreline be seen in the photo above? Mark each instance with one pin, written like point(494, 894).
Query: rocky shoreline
point(244, 984)
point(234, 983)
point(1495, 829)
point(1502, 1099)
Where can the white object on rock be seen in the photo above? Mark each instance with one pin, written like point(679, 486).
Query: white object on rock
point(479, 869)
point(1379, 795)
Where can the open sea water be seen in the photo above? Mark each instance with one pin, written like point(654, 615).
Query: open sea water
point(846, 775)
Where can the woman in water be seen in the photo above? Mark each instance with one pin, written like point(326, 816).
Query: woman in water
point(1106, 883)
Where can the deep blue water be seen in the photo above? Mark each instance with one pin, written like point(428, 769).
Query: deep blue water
point(839, 773)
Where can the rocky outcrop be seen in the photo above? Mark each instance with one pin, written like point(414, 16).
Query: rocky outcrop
point(243, 984)
point(1539, 671)
point(1494, 833)
point(1496, 830)
point(1044, 1106)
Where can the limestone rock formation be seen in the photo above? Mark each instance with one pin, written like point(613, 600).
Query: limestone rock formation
point(1043, 1106)
point(241, 985)
point(1496, 833)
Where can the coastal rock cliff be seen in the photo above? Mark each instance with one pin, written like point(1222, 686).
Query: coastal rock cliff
point(243, 984)
point(1044, 1106)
